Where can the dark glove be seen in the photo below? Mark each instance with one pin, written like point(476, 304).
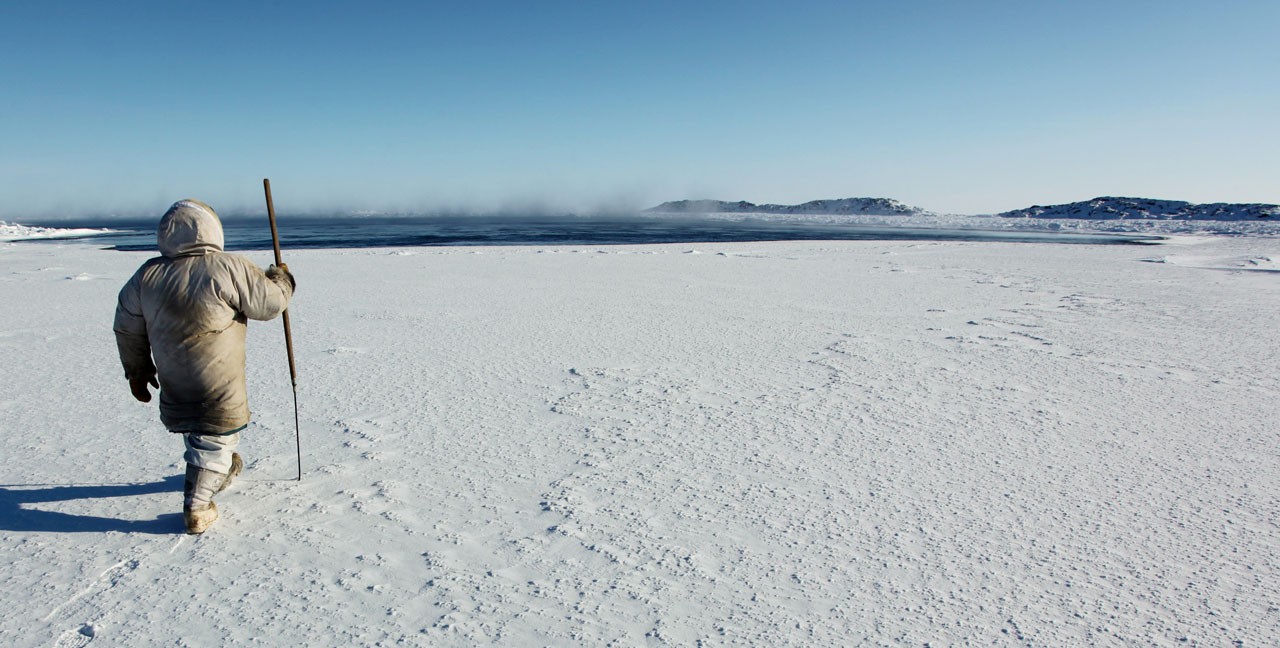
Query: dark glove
point(282, 270)
point(139, 388)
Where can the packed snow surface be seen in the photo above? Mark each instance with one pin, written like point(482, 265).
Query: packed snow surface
point(893, 443)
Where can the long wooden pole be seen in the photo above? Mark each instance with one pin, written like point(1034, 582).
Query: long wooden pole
point(288, 331)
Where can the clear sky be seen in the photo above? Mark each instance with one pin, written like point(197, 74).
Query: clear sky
point(969, 107)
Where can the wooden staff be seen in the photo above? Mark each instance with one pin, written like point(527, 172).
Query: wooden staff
point(288, 332)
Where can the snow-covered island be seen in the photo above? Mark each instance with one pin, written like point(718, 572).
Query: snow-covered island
point(860, 206)
point(1103, 208)
point(1110, 208)
point(768, 444)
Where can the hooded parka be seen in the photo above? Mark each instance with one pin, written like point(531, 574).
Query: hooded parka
point(182, 319)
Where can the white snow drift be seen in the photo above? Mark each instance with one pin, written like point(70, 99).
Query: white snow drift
point(17, 232)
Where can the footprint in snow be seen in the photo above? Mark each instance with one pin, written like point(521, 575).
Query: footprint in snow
point(77, 637)
point(346, 351)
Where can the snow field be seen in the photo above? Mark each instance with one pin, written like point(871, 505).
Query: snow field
point(761, 444)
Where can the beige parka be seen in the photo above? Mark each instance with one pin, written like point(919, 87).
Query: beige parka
point(182, 319)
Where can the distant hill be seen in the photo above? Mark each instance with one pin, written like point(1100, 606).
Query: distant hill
point(1113, 208)
point(867, 206)
point(1103, 208)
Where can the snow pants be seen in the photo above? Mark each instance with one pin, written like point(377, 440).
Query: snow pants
point(211, 451)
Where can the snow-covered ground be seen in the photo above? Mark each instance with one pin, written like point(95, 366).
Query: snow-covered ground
point(826, 443)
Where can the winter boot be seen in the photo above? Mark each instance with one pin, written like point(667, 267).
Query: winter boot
point(198, 510)
point(237, 466)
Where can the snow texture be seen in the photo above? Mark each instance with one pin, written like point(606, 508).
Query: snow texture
point(822, 443)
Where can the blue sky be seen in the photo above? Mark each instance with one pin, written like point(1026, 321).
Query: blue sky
point(970, 107)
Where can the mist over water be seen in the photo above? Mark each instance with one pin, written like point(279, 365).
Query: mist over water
point(301, 232)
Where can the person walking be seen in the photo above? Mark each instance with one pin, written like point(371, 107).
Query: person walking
point(180, 325)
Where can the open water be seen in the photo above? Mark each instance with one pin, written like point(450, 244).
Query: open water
point(400, 231)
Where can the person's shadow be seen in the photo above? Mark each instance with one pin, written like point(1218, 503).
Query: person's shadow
point(13, 517)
